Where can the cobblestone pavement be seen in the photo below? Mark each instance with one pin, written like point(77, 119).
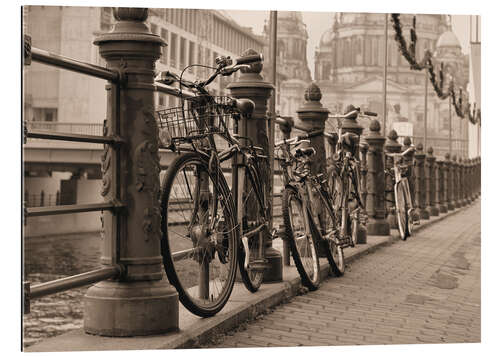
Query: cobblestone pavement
point(424, 290)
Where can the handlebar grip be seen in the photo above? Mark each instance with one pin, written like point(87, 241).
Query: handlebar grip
point(249, 59)
point(310, 135)
point(371, 114)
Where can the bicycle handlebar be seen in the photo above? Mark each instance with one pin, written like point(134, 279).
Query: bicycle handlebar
point(356, 111)
point(224, 67)
point(400, 154)
point(299, 139)
point(249, 59)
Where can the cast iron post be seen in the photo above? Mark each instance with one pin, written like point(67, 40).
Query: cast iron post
point(375, 205)
point(391, 146)
point(431, 183)
point(351, 125)
point(140, 302)
point(440, 186)
point(456, 183)
point(420, 182)
point(450, 180)
point(312, 116)
point(409, 160)
point(363, 148)
point(251, 85)
point(286, 129)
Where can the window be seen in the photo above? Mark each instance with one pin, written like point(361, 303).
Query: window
point(44, 114)
point(161, 99)
point(207, 57)
point(182, 55)
point(164, 36)
point(191, 55)
point(173, 50)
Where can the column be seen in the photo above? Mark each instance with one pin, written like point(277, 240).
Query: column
point(391, 146)
point(449, 178)
point(431, 183)
point(251, 85)
point(375, 205)
point(140, 302)
point(420, 193)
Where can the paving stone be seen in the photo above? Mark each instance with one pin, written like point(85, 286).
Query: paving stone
point(423, 290)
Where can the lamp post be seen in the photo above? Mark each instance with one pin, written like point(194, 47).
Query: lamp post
point(384, 104)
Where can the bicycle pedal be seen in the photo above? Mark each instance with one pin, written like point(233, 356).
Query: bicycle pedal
point(258, 265)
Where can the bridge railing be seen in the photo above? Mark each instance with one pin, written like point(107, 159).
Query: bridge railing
point(43, 205)
point(94, 129)
point(131, 278)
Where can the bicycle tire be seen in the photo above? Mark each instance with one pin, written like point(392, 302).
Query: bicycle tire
point(205, 252)
point(333, 251)
point(401, 211)
point(252, 279)
point(302, 244)
point(409, 208)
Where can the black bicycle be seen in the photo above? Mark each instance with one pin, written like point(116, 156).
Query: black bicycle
point(207, 228)
point(309, 217)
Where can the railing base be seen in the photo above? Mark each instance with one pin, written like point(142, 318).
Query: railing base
point(434, 211)
point(361, 234)
point(125, 309)
point(423, 213)
point(393, 221)
point(275, 271)
point(443, 209)
point(378, 227)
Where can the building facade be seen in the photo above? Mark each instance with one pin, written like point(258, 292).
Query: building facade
point(349, 64)
point(293, 74)
point(65, 101)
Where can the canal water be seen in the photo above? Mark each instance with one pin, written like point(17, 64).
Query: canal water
point(49, 258)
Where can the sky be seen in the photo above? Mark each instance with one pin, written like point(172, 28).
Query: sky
point(318, 22)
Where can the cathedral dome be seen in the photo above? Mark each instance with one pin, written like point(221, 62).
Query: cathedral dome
point(448, 39)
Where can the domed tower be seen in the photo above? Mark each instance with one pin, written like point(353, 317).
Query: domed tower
point(292, 45)
point(293, 74)
point(449, 52)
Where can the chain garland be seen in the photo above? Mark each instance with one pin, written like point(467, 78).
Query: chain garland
point(409, 53)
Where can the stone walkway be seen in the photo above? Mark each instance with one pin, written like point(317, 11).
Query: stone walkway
point(424, 290)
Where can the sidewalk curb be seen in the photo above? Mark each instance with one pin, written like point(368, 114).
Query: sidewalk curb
point(242, 308)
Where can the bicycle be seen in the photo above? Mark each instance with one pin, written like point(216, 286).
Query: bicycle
point(402, 194)
point(209, 229)
point(307, 234)
point(345, 179)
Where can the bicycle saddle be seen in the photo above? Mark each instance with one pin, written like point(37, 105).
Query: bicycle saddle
point(349, 139)
point(300, 152)
point(245, 106)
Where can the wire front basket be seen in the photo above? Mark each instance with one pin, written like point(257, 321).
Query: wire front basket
point(199, 117)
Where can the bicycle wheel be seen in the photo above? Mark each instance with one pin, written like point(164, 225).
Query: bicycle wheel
point(401, 210)
point(334, 216)
point(302, 245)
point(199, 234)
point(252, 217)
point(409, 207)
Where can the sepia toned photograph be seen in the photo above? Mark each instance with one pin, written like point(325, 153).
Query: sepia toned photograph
point(216, 178)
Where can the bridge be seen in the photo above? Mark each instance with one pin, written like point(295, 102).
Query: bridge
point(130, 295)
